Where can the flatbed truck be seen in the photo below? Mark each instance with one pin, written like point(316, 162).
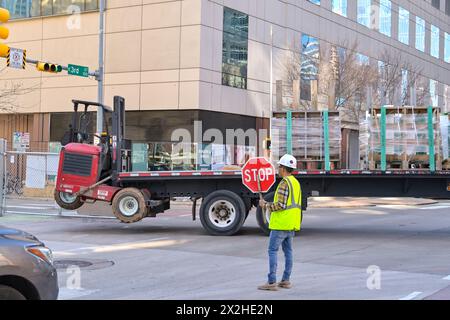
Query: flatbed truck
point(91, 172)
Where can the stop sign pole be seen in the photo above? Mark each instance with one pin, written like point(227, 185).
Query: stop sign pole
point(259, 189)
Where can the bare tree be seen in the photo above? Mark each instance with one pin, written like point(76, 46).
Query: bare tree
point(297, 67)
point(291, 65)
point(347, 75)
point(394, 87)
point(350, 75)
point(9, 94)
point(340, 75)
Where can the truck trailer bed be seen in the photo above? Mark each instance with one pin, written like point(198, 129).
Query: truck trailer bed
point(356, 183)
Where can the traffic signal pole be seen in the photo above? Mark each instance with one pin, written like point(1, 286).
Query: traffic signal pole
point(100, 71)
point(65, 68)
point(57, 68)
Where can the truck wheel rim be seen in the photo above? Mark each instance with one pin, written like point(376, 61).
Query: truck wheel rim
point(222, 213)
point(128, 206)
point(68, 198)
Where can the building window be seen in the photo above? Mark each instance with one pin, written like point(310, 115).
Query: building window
point(385, 17)
point(66, 6)
point(20, 9)
point(309, 67)
point(363, 13)
point(420, 34)
point(403, 26)
point(436, 4)
point(235, 49)
point(315, 1)
point(434, 41)
point(447, 48)
point(434, 92)
point(447, 7)
point(339, 7)
point(362, 59)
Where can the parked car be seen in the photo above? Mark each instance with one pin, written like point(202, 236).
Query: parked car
point(26, 267)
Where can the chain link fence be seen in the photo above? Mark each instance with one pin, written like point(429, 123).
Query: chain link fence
point(30, 174)
point(26, 176)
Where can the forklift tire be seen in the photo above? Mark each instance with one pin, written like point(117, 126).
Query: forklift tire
point(129, 205)
point(67, 201)
point(222, 213)
point(262, 217)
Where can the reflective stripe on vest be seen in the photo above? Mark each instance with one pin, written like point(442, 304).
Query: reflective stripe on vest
point(294, 203)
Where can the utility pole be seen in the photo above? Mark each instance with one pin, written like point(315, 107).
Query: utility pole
point(100, 71)
point(271, 88)
point(2, 176)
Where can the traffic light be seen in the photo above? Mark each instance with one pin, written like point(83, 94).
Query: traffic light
point(49, 67)
point(4, 32)
point(267, 144)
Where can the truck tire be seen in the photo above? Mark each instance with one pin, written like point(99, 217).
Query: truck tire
point(222, 213)
point(67, 201)
point(9, 293)
point(262, 217)
point(129, 205)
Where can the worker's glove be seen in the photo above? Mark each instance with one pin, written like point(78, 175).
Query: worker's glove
point(262, 203)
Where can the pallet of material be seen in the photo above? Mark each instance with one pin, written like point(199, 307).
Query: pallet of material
point(407, 141)
point(445, 134)
point(308, 138)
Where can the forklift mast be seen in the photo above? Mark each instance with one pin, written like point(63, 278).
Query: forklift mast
point(121, 155)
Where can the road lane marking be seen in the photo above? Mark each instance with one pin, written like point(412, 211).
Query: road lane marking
point(412, 296)
point(395, 206)
point(148, 244)
point(435, 207)
point(33, 213)
point(32, 207)
point(64, 214)
point(68, 294)
point(446, 278)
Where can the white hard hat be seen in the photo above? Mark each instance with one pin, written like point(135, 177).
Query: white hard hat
point(288, 161)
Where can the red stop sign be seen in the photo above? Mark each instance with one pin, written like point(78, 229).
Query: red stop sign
point(258, 168)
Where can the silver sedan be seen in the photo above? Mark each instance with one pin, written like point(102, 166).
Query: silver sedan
point(26, 267)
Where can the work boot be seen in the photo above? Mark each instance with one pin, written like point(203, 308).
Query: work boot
point(268, 287)
point(285, 284)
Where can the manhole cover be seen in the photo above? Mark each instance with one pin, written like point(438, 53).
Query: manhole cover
point(92, 264)
point(64, 264)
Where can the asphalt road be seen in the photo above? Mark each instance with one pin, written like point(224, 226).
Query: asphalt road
point(398, 251)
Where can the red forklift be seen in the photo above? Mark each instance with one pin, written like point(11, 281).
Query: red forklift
point(99, 168)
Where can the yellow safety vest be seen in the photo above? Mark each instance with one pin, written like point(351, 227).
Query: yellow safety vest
point(290, 218)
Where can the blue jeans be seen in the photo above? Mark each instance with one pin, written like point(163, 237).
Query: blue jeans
point(283, 238)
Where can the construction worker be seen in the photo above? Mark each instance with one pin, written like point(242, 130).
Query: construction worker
point(285, 219)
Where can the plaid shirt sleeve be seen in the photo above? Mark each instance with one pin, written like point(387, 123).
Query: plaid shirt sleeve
point(283, 195)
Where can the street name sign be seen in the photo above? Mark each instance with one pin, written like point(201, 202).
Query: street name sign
point(79, 71)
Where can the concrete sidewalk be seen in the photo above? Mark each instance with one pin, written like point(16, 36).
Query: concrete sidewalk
point(349, 202)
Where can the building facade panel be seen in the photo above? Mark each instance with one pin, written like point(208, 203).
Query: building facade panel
point(170, 55)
